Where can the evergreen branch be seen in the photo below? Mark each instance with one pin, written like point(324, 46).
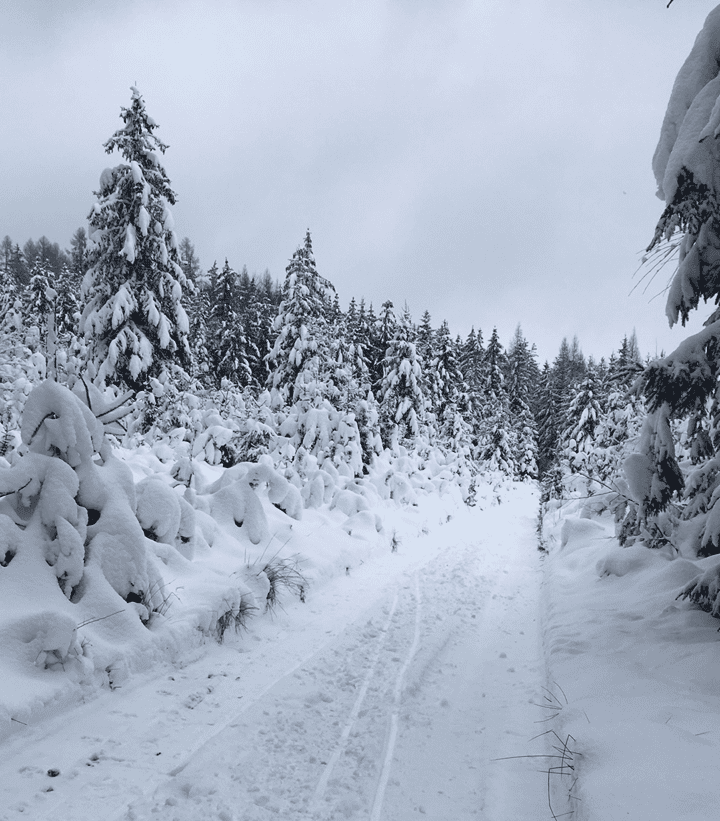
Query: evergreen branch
point(604, 484)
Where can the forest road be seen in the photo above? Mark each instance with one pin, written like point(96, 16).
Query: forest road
point(401, 713)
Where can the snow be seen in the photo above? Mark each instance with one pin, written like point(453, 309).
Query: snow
point(389, 693)
point(699, 70)
point(413, 670)
point(128, 248)
point(639, 671)
point(143, 220)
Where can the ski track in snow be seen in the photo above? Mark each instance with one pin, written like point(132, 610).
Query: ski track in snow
point(389, 696)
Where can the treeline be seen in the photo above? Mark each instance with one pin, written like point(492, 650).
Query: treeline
point(417, 380)
point(130, 306)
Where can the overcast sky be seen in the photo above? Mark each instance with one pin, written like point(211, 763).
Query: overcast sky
point(487, 160)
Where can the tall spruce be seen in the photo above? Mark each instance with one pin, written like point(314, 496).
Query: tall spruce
point(448, 394)
point(402, 403)
point(496, 449)
point(301, 326)
point(228, 353)
point(522, 383)
point(133, 319)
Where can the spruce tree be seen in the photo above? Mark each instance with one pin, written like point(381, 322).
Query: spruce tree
point(6, 250)
point(582, 418)
point(133, 319)
point(229, 350)
point(472, 364)
point(402, 403)
point(521, 387)
point(547, 425)
point(425, 337)
point(79, 253)
point(448, 394)
point(199, 308)
point(383, 331)
point(68, 304)
point(8, 280)
point(301, 326)
point(39, 308)
point(496, 449)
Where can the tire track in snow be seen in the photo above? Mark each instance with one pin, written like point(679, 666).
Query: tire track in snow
point(395, 715)
point(340, 748)
point(372, 701)
point(121, 813)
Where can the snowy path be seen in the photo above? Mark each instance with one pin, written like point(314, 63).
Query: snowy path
point(386, 697)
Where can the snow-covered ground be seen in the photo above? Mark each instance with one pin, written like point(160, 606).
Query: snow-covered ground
point(388, 694)
point(432, 681)
point(639, 672)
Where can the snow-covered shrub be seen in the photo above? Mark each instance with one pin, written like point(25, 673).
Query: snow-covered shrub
point(158, 510)
point(704, 590)
point(323, 432)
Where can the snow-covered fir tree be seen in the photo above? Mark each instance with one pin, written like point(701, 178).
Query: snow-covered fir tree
point(683, 385)
point(254, 323)
point(228, 354)
point(133, 318)
point(495, 445)
point(521, 386)
point(547, 423)
point(383, 330)
point(40, 309)
point(199, 307)
point(79, 254)
point(402, 403)
point(68, 303)
point(301, 327)
point(448, 395)
point(425, 337)
point(581, 419)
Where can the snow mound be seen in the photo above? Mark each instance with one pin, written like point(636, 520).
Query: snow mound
point(622, 560)
point(576, 534)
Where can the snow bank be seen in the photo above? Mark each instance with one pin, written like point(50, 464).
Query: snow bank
point(638, 669)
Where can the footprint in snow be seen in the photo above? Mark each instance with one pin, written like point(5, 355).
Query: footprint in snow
point(192, 701)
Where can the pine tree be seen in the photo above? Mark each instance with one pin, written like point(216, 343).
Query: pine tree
point(582, 418)
point(68, 304)
point(448, 394)
point(383, 330)
point(229, 351)
point(199, 308)
point(39, 308)
point(251, 317)
point(496, 448)
point(79, 253)
point(268, 297)
point(425, 337)
point(8, 280)
point(301, 326)
point(351, 320)
point(402, 403)
point(189, 261)
point(19, 267)
point(547, 424)
point(133, 318)
point(521, 388)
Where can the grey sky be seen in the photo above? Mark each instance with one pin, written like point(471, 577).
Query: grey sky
point(487, 160)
